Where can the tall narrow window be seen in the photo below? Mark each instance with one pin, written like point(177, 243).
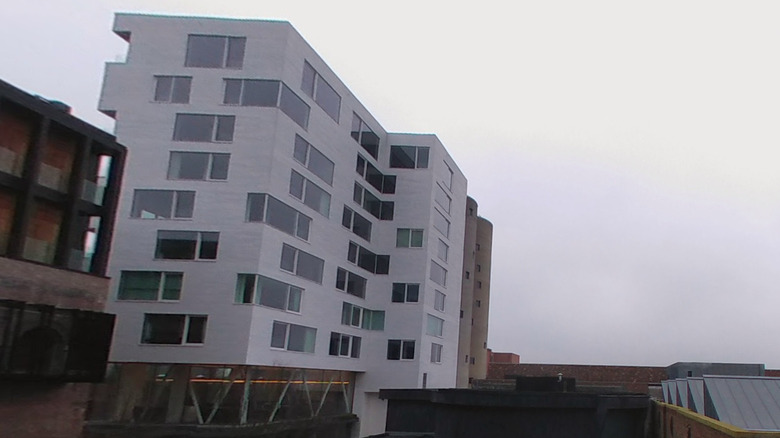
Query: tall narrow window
point(436, 353)
point(438, 274)
point(311, 194)
point(315, 86)
point(365, 136)
point(313, 159)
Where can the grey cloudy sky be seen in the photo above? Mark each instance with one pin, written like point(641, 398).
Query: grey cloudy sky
point(626, 152)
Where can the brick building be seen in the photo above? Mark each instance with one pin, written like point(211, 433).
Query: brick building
point(59, 183)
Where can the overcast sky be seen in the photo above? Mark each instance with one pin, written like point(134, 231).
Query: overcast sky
point(626, 152)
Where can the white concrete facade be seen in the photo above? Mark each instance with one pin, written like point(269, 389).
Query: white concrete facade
point(261, 161)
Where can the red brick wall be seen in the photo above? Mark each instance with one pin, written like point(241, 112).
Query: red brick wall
point(632, 378)
point(37, 410)
point(40, 284)
point(502, 357)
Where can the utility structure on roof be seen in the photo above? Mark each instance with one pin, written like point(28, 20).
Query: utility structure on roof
point(279, 255)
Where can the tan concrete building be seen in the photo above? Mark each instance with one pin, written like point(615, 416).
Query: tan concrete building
point(475, 297)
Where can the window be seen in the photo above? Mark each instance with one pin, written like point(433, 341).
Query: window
point(173, 329)
point(398, 349)
point(344, 345)
point(436, 353)
point(204, 128)
point(408, 238)
point(266, 93)
point(292, 337)
point(479, 303)
point(468, 275)
point(162, 204)
point(378, 180)
point(438, 274)
point(442, 199)
point(448, 177)
point(382, 210)
point(213, 51)
point(478, 247)
point(351, 283)
point(187, 245)
point(302, 263)
point(405, 292)
point(261, 207)
point(479, 284)
point(172, 89)
point(435, 326)
point(198, 166)
point(441, 223)
point(357, 223)
point(360, 317)
point(315, 87)
point(258, 289)
point(479, 268)
point(150, 285)
point(311, 194)
point(438, 303)
point(313, 159)
point(473, 360)
point(409, 157)
point(365, 136)
point(374, 263)
point(443, 251)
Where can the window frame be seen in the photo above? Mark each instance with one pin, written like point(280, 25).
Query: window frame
point(406, 292)
point(225, 55)
point(353, 348)
point(416, 159)
point(296, 263)
point(185, 329)
point(365, 317)
point(315, 88)
point(349, 222)
point(209, 169)
point(298, 230)
point(169, 98)
point(256, 296)
point(172, 209)
point(410, 240)
point(307, 163)
point(198, 245)
point(347, 280)
point(215, 128)
point(163, 278)
point(402, 343)
point(305, 193)
point(436, 352)
point(287, 337)
point(440, 299)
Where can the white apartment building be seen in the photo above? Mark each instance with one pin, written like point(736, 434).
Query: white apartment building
point(269, 225)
